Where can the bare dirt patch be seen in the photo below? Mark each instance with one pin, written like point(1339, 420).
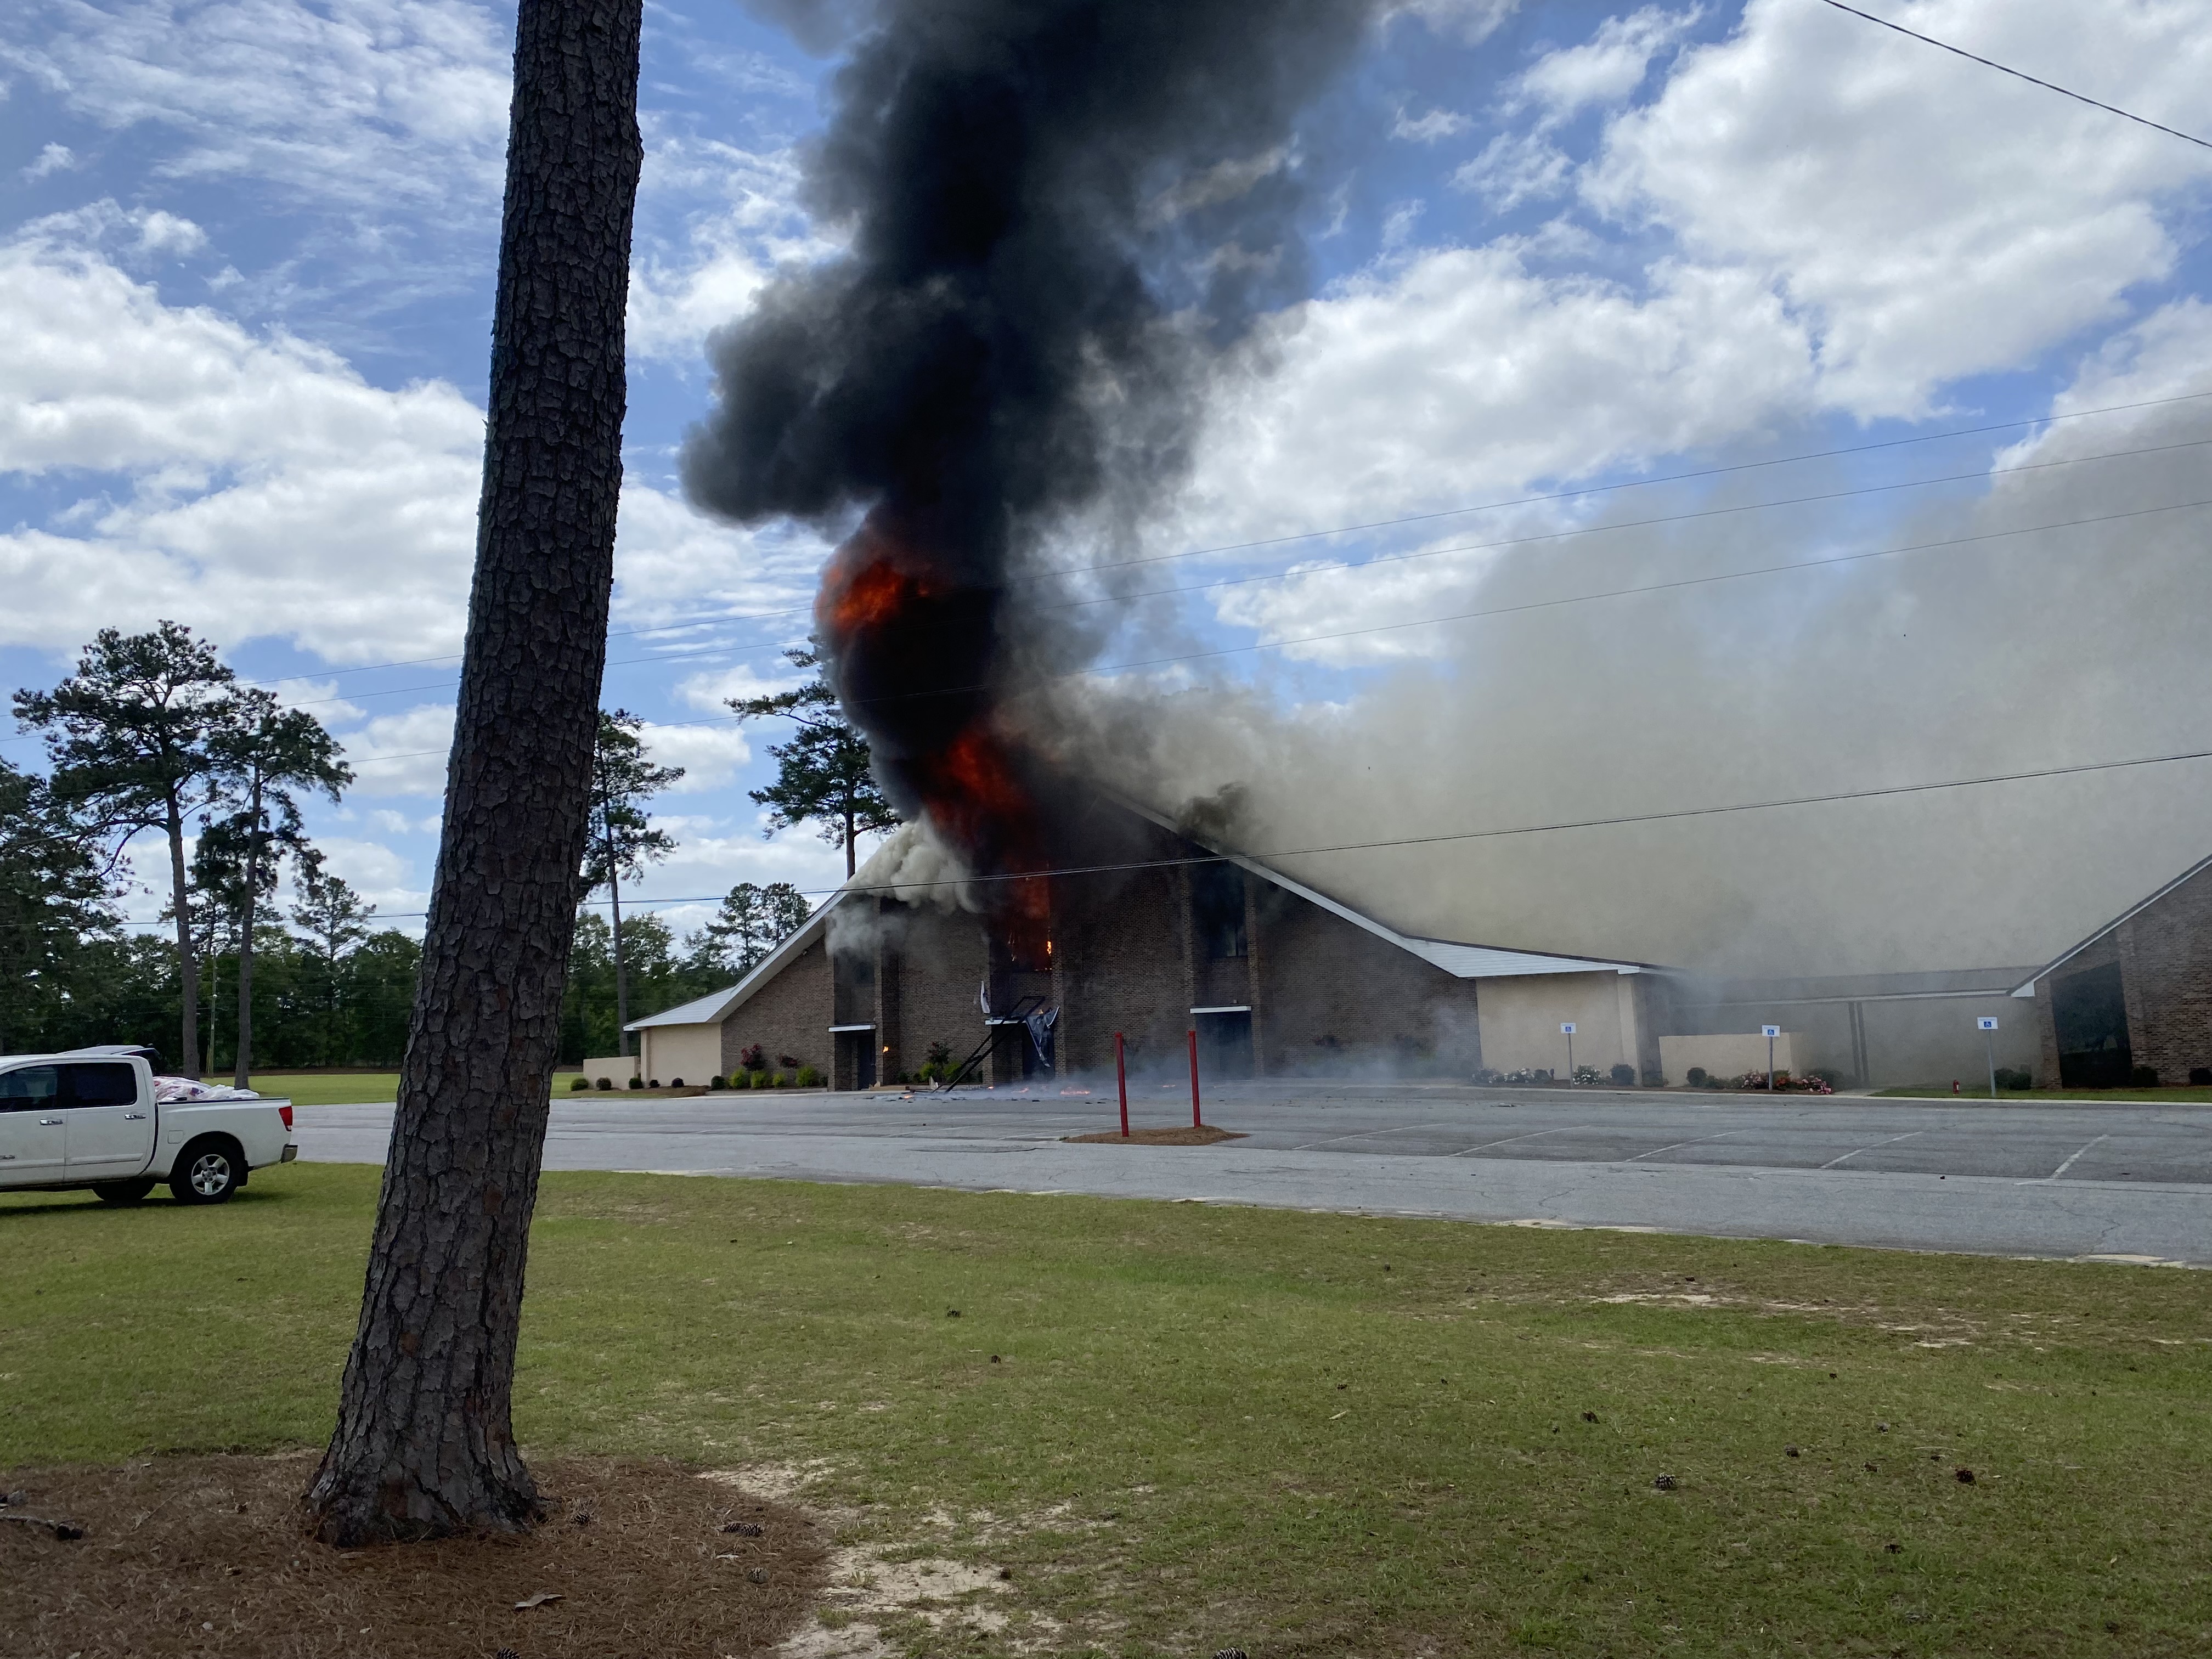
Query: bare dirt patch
point(1206, 1135)
point(206, 1556)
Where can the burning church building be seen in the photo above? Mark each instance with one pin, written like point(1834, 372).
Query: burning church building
point(1149, 934)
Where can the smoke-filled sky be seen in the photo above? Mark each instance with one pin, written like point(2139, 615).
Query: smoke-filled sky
point(246, 271)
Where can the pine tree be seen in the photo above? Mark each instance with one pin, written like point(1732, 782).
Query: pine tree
point(751, 922)
point(133, 736)
point(623, 839)
point(269, 755)
point(424, 1444)
point(822, 775)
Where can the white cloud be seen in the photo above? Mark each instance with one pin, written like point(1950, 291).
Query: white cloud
point(401, 754)
point(1470, 22)
point(758, 679)
point(710, 754)
point(386, 879)
point(1605, 69)
point(1515, 167)
point(1436, 125)
point(1929, 219)
point(687, 282)
point(360, 104)
point(249, 485)
point(1466, 373)
point(54, 158)
point(674, 564)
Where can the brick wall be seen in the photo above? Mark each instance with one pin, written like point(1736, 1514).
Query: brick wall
point(1322, 978)
point(932, 966)
point(789, 1015)
point(2165, 954)
point(1124, 966)
point(2166, 965)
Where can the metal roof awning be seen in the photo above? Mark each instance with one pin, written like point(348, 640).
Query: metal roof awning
point(852, 1028)
point(1226, 1008)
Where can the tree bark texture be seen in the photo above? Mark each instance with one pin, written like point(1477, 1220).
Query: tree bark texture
point(424, 1444)
point(188, 969)
point(242, 1070)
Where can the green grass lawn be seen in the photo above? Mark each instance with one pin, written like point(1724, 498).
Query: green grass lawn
point(335, 1088)
point(1296, 1434)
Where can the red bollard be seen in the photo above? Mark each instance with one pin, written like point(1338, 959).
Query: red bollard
point(1194, 1123)
point(1121, 1084)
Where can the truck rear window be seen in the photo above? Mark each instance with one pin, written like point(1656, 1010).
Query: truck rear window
point(104, 1085)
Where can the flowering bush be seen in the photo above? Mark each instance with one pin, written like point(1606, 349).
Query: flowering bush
point(1587, 1074)
point(1784, 1083)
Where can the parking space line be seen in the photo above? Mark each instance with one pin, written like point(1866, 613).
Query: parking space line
point(1403, 1128)
point(1510, 1140)
point(1676, 1145)
point(2070, 1163)
point(1871, 1144)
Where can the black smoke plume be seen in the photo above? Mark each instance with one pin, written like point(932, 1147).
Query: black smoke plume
point(1060, 211)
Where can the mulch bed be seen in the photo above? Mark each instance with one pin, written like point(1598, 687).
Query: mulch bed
point(1206, 1136)
point(206, 1556)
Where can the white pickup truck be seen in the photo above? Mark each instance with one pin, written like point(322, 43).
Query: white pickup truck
point(92, 1119)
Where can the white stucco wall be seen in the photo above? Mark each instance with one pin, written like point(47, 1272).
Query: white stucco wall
point(1521, 1016)
point(693, 1053)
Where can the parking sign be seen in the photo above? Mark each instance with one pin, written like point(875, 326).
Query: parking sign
point(1770, 1030)
point(1986, 1022)
point(1567, 1029)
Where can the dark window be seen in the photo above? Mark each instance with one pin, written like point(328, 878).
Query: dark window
point(1216, 904)
point(108, 1085)
point(29, 1088)
point(2089, 1016)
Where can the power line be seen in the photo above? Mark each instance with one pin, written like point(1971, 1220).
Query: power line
point(2023, 75)
point(1860, 556)
point(1978, 474)
point(1378, 524)
point(1624, 523)
point(1397, 843)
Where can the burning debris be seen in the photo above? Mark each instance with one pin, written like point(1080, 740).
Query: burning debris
point(1059, 213)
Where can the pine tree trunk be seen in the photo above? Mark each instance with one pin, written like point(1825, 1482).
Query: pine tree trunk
point(244, 1069)
point(851, 834)
point(424, 1444)
point(188, 969)
point(622, 975)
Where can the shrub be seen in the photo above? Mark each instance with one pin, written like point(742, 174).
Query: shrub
point(675, 1082)
point(2200, 1076)
point(1834, 1079)
point(741, 1080)
point(2143, 1077)
point(2010, 1076)
point(1487, 1075)
point(655, 1084)
point(752, 1058)
point(1625, 1076)
point(1526, 1074)
point(940, 1054)
point(786, 1062)
point(780, 1080)
point(1588, 1074)
point(717, 1081)
point(809, 1077)
point(1655, 1079)
point(1699, 1077)
point(577, 1083)
point(1784, 1083)
point(605, 1083)
point(637, 1083)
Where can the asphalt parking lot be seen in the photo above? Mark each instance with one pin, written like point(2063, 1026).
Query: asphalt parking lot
point(2120, 1180)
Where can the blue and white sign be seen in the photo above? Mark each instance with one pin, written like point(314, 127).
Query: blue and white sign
point(1567, 1029)
point(1770, 1030)
point(1986, 1022)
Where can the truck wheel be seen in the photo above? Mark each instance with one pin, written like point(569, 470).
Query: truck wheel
point(123, 1192)
point(207, 1172)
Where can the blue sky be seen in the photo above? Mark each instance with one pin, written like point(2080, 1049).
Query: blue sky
point(246, 256)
